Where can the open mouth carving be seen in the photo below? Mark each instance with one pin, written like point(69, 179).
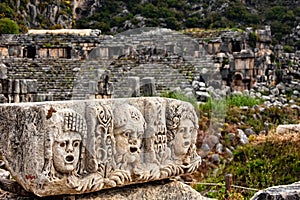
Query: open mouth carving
point(69, 159)
point(133, 149)
point(187, 144)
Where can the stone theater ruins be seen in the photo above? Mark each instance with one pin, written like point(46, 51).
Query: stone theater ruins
point(81, 112)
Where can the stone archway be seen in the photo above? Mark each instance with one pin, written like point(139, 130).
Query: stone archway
point(237, 83)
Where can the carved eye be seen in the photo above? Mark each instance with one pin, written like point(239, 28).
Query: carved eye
point(140, 134)
point(62, 144)
point(181, 130)
point(192, 130)
point(126, 134)
point(76, 144)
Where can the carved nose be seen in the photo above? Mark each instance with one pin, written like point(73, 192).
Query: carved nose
point(69, 148)
point(132, 141)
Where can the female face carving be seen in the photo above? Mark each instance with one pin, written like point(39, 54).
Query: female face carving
point(66, 151)
point(182, 140)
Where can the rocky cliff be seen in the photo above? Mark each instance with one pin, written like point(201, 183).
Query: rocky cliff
point(117, 16)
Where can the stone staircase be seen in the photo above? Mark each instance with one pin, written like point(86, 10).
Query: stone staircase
point(166, 78)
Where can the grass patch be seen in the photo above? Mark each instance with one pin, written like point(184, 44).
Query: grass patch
point(243, 100)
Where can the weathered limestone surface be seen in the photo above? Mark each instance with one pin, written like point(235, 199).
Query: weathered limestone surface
point(173, 190)
point(288, 128)
point(75, 147)
point(282, 192)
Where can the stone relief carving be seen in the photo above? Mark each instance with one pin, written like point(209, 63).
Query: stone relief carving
point(105, 143)
point(65, 145)
point(182, 127)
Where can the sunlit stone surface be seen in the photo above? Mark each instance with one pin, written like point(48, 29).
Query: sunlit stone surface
point(75, 147)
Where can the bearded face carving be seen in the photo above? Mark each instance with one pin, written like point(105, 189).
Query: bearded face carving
point(128, 131)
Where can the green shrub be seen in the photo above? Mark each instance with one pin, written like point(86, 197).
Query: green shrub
point(192, 22)
point(172, 23)
point(253, 38)
point(264, 162)
point(6, 11)
point(272, 161)
point(243, 100)
point(8, 26)
point(179, 96)
point(288, 49)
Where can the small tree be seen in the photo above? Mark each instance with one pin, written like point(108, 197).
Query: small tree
point(8, 26)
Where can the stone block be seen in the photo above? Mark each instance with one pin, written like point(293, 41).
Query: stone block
point(283, 192)
point(287, 128)
point(3, 71)
point(23, 86)
point(75, 147)
point(167, 190)
point(134, 86)
point(92, 87)
point(16, 98)
point(3, 99)
point(32, 86)
point(7, 86)
point(148, 86)
point(16, 86)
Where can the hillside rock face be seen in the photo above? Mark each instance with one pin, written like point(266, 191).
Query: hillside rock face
point(85, 8)
point(55, 13)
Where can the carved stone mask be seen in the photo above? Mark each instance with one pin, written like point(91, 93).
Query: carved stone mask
point(183, 137)
point(129, 130)
point(66, 151)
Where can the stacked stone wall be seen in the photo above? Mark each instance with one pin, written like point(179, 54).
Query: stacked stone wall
point(170, 59)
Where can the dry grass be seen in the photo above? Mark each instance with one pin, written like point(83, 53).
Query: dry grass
point(277, 138)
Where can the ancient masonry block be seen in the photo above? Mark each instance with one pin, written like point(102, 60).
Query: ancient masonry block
point(75, 147)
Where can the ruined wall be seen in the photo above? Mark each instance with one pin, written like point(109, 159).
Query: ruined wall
point(168, 58)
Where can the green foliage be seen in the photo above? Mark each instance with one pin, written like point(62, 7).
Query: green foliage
point(6, 11)
point(179, 96)
point(213, 104)
point(281, 20)
point(236, 11)
point(8, 26)
point(192, 22)
point(178, 14)
point(288, 49)
point(150, 11)
point(172, 23)
point(265, 164)
point(218, 191)
point(243, 100)
point(279, 13)
point(253, 38)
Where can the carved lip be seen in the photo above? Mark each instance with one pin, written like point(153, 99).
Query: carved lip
point(186, 144)
point(69, 159)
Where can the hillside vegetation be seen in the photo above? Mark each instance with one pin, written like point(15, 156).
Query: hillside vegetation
point(117, 16)
point(264, 162)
